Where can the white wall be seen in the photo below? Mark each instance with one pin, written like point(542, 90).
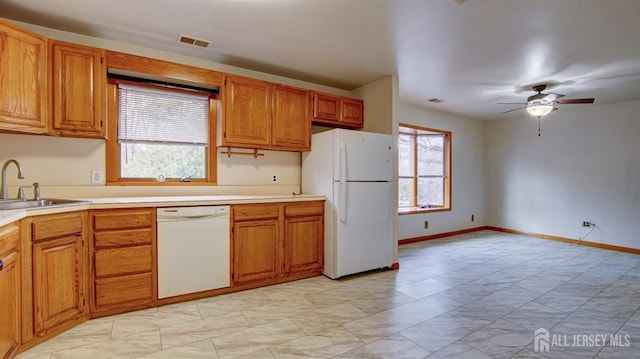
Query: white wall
point(584, 166)
point(467, 173)
point(379, 99)
point(63, 167)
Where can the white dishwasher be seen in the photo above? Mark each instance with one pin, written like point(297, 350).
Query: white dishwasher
point(193, 249)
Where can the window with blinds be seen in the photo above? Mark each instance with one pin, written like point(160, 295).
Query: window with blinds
point(162, 134)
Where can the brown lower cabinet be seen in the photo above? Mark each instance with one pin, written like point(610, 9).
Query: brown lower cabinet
point(271, 242)
point(58, 274)
point(255, 243)
point(123, 257)
point(9, 290)
point(304, 238)
point(108, 256)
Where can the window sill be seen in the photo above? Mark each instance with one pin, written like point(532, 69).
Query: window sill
point(415, 210)
point(156, 183)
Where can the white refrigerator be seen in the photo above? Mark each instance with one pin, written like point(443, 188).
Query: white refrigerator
point(353, 169)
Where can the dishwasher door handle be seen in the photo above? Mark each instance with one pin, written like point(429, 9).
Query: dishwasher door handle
point(193, 216)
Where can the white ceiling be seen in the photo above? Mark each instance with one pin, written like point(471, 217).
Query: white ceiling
point(470, 55)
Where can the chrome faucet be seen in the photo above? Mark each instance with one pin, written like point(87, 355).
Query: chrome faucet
point(3, 185)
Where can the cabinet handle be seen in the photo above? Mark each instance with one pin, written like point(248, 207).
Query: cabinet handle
point(1, 264)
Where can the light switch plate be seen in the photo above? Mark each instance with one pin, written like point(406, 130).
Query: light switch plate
point(97, 177)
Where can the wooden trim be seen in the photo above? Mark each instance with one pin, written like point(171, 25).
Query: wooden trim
point(211, 156)
point(395, 266)
point(112, 158)
point(26, 261)
point(567, 240)
point(165, 69)
point(441, 235)
point(417, 210)
point(448, 170)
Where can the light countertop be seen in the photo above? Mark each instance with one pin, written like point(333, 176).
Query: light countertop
point(8, 216)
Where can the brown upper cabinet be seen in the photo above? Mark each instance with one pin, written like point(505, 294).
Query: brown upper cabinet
point(23, 80)
point(337, 111)
point(247, 113)
point(259, 114)
point(291, 126)
point(79, 83)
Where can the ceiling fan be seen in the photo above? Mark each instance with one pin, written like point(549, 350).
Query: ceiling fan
point(541, 104)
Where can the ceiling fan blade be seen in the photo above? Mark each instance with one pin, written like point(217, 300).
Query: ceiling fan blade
point(515, 109)
point(575, 101)
point(511, 103)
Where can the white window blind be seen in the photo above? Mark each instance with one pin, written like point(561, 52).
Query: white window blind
point(150, 115)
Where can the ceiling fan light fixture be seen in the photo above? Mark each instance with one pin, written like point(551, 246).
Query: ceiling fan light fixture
point(539, 110)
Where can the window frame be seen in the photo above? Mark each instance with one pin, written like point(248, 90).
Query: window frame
point(414, 131)
point(113, 155)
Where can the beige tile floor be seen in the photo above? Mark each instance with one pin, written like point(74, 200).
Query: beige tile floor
point(480, 295)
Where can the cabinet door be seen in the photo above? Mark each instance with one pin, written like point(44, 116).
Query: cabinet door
point(247, 121)
point(23, 84)
point(352, 113)
point(255, 250)
point(326, 108)
point(79, 89)
point(291, 118)
point(304, 238)
point(57, 281)
point(9, 293)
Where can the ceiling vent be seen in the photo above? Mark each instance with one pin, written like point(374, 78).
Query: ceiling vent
point(435, 100)
point(190, 40)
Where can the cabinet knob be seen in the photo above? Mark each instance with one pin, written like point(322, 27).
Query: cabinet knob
point(1, 264)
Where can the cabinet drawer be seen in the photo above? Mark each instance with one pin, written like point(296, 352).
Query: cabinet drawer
point(130, 289)
point(304, 209)
point(120, 261)
point(56, 226)
point(259, 211)
point(139, 218)
point(9, 238)
point(123, 238)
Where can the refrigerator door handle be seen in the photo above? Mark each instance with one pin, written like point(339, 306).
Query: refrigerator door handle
point(342, 210)
point(343, 162)
point(343, 182)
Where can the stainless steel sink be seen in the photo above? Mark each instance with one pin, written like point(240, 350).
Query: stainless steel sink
point(40, 203)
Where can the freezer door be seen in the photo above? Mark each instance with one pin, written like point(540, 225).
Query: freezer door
point(362, 156)
point(364, 227)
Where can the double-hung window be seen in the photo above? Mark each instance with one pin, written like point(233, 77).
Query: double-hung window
point(162, 135)
point(424, 169)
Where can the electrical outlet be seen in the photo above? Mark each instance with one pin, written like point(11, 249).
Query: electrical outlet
point(97, 177)
point(587, 224)
point(426, 224)
point(274, 178)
